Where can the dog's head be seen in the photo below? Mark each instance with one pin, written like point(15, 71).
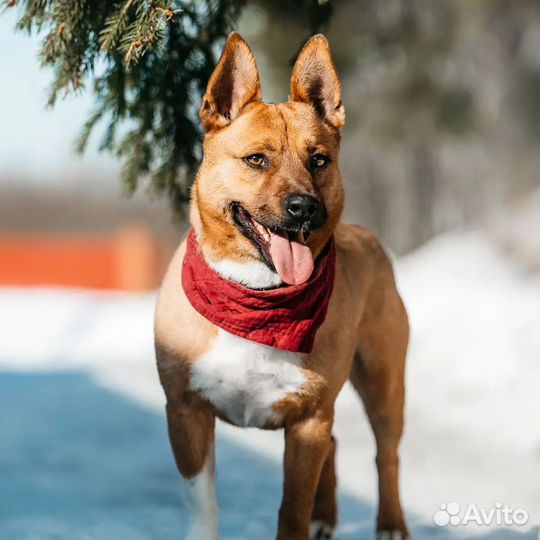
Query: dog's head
point(269, 189)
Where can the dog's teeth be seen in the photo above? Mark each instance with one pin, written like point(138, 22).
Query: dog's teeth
point(263, 231)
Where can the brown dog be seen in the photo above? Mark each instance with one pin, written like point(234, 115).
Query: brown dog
point(265, 205)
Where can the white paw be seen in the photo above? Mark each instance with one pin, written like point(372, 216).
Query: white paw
point(391, 535)
point(320, 530)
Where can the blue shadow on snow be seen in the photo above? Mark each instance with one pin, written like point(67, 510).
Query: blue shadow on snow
point(78, 461)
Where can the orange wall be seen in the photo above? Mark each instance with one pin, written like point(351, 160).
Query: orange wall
point(132, 259)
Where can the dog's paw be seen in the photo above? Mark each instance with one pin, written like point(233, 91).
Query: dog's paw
point(321, 530)
point(395, 534)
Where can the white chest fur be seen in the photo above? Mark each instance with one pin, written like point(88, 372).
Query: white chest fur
point(244, 379)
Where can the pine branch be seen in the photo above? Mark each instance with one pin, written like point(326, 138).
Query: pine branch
point(114, 27)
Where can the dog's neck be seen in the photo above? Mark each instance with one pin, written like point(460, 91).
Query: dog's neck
point(255, 275)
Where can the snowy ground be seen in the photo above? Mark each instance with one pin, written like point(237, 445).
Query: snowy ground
point(76, 359)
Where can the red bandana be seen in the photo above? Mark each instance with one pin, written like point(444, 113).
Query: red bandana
point(286, 318)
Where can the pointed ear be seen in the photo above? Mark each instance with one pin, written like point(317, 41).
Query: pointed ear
point(315, 81)
point(233, 84)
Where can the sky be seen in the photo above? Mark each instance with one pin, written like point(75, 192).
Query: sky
point(36, 142)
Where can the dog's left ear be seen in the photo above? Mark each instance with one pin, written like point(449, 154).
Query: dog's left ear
point(233, 84)
point(315, 81)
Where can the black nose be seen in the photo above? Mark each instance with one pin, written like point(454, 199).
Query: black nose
point(301, 207)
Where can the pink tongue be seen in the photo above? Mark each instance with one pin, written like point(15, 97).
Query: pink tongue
point(292, 258)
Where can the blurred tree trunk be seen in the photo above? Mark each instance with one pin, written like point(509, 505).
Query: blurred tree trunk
point(423, 183)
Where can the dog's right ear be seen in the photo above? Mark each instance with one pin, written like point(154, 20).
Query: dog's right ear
point(233, 84)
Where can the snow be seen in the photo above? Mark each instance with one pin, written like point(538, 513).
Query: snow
point(473, 378)
point(101, 467)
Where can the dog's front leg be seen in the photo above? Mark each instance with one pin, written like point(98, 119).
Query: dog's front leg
point(306, 447)
point(191, 432)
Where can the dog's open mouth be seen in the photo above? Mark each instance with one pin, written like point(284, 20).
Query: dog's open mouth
point(283, 250)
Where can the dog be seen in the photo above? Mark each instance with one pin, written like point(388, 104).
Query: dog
point(266, 235)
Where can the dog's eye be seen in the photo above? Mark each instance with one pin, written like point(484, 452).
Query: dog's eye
point(257, 161)
point(318, 162)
